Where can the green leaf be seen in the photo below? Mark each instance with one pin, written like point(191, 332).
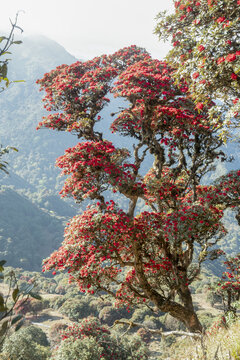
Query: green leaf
point(2, 262)
point(35, 296)
point(15, 294)
point(28, 289)
point(2, 38)
point(17, 42)
point(16, 319)
point(19, 325)
point(4, 328)
point(4, 70)
point(3, 310)
point(13, 148)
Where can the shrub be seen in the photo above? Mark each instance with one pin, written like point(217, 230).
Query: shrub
point(145, 335)
point(109, 314)
point(27, 306)
point(206, 319)
point(88, 340)
point(55, 333)
point(213, 298)
point(27, 344)
point(76, 310)
point(57, 302)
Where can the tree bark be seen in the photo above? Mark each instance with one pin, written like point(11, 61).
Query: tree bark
point(187, 316)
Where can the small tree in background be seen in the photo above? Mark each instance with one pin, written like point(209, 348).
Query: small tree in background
point(206, 53)
point(29, 306)
point(229, 285)
point(139, 257)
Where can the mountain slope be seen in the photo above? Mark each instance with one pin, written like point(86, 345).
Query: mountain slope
point(27, 234)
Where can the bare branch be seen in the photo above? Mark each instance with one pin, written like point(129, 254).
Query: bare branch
point(132, 324)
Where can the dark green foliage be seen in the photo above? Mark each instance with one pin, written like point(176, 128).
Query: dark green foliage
point(36, 334)
point(145, 335)
point(8, 318)
point(6, 45)
point(149, 318)
point(76, 309)
point(109, 314)
point(4, 164)
point(57, 302)
point(27, 344)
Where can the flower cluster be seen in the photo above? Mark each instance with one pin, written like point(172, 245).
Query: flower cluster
point(205, 38)
point(93, 166)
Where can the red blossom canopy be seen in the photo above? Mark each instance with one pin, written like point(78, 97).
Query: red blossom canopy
point(137, 255)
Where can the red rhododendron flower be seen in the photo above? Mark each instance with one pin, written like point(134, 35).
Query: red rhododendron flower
point(220, 60)
point(220, 19)
point(201, 48)
point(195, 75)
point(176, 43)
point(231, 57)
point(234, 76)
point(199, 106)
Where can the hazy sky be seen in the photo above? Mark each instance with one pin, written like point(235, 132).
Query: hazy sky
point(87, 28)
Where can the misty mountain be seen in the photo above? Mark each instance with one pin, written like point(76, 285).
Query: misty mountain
point(31, 212)
point(21, 109)
point(28, 234)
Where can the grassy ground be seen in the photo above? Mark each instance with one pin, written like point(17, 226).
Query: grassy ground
point(223, 344)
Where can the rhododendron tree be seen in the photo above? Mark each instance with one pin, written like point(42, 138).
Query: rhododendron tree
point(229, 285)
point(206, 51)
point(138, 257)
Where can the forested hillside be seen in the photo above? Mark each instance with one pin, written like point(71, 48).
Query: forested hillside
point(27, 233)
point(21, 110)
point(32, 213)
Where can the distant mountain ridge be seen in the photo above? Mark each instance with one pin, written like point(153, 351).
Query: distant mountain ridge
point(28, 234)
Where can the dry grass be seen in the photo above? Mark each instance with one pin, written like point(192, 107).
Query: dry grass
point(224, 344)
